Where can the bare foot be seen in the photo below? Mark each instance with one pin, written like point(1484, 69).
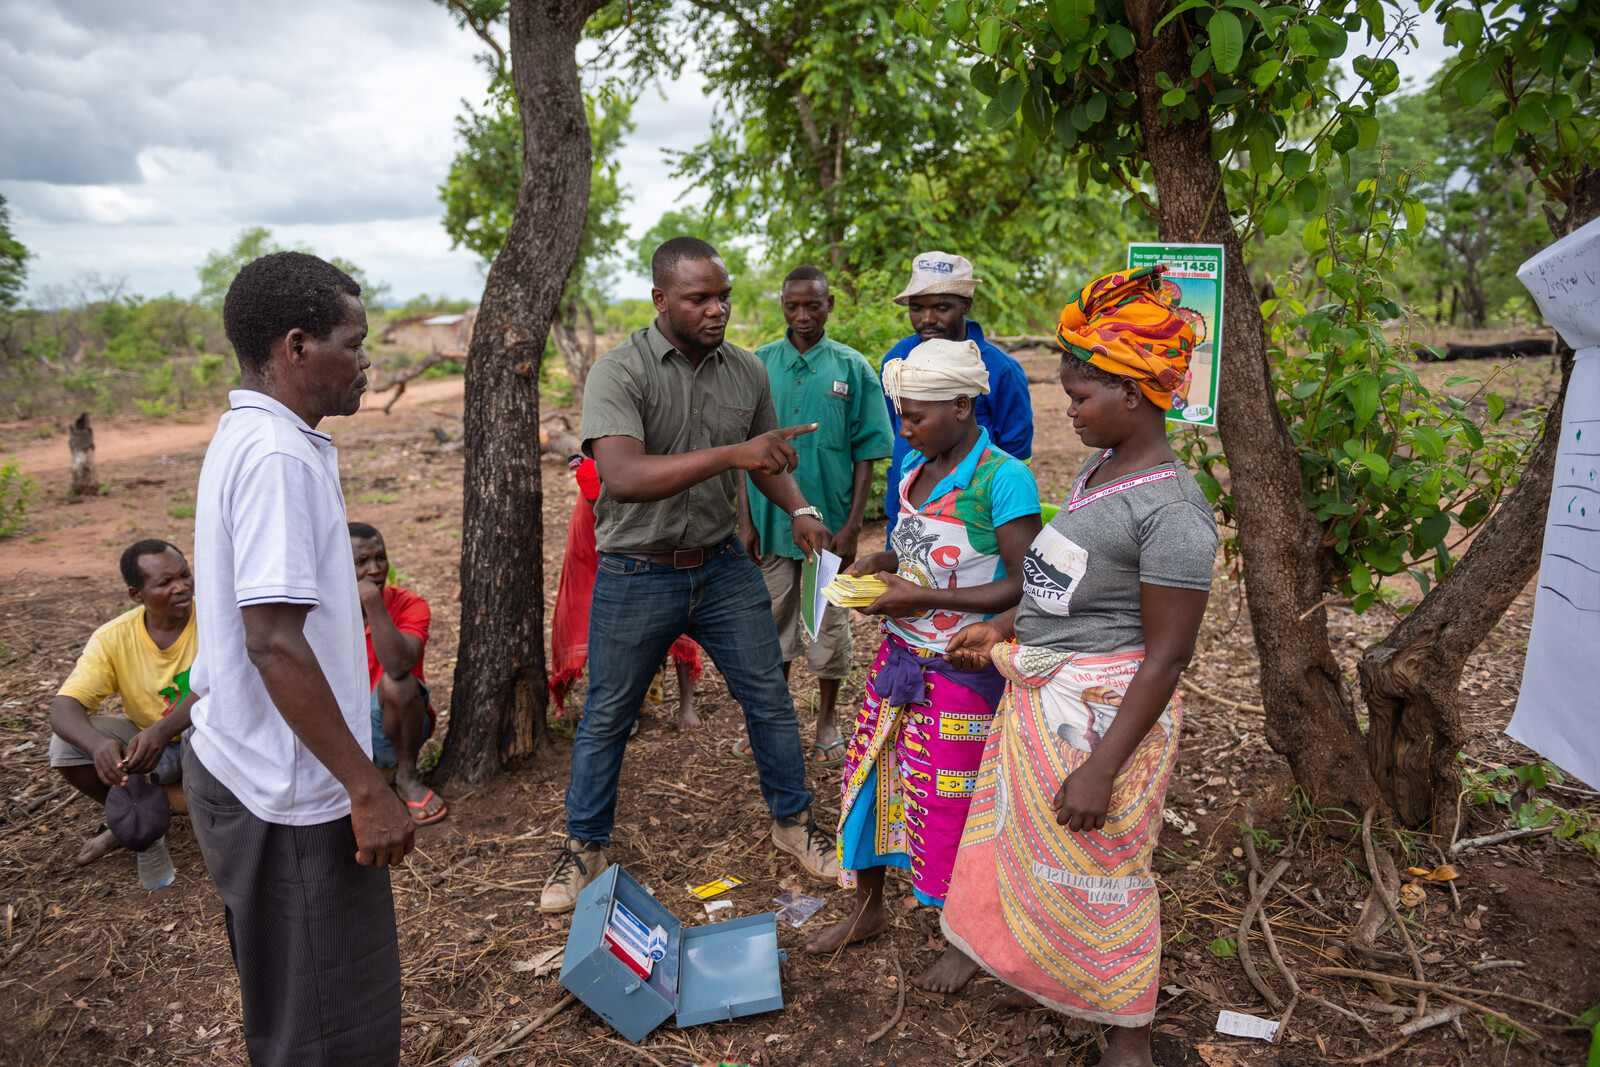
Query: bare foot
point(1127, 1047)
point(868, 920)
point(687, 718)
point(954, 970)
point(1015, 1000)
point(99, 845)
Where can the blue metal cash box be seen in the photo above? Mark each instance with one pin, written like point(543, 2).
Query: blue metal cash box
point(719, 971)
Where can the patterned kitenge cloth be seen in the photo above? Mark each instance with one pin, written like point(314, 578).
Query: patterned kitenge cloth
point(1127, 323)
point(1073, 919)
point(912, 765)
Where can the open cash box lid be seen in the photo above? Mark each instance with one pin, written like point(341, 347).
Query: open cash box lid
point(718, 971)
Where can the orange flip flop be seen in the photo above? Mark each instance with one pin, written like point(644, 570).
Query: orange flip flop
point(418, 806)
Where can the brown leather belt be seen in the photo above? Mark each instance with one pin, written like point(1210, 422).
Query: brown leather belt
point(683, 558)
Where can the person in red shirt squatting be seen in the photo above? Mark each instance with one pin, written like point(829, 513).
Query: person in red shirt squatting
point(397, 632)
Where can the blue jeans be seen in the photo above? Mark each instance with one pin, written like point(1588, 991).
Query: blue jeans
point(639, 610)
point(383, 754)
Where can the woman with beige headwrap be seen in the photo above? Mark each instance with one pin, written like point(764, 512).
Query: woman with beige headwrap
point(967, 514)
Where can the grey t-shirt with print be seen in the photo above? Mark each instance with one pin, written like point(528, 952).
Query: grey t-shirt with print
point(1081, 575)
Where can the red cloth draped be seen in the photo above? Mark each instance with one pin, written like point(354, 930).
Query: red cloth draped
point(569, 625)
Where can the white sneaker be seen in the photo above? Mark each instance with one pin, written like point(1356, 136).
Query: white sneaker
point(155, 866)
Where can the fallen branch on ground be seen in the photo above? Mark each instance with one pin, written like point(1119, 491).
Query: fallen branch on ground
point(1435, 987)
point(1441, 1017)
point(900, 1003)
point(1373, 1057)
point(1394, 911)
point(1272, 944)
point(1236, 705)
point(39, 802)
point(72, 796)
point(1245, 922)
point(439, 878)
point(1496, 839)
point(509, 1043)
point(18, 948)
point(636, 1049)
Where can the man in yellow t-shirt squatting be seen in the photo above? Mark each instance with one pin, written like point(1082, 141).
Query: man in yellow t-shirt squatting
point(143, 656)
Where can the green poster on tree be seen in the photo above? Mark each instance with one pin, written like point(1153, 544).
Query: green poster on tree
point(1196, 272)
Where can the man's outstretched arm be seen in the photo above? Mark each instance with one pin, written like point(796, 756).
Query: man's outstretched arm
point(633, 476)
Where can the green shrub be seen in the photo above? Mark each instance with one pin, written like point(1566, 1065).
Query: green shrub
point(204, 371)
point(16, 489)
point(870, 322)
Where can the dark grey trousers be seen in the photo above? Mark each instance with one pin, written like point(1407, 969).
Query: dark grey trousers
point(312, 933)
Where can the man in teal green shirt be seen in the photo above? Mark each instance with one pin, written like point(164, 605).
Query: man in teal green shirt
point(816, 379)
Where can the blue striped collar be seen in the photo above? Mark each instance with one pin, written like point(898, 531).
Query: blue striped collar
point(251, 398)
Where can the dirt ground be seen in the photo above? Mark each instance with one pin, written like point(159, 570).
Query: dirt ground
point(95, 970)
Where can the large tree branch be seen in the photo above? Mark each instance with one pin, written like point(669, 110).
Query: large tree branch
point(484, 28)
point(779, 55)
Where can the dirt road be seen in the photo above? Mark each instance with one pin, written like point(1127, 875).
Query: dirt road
point(148, 471)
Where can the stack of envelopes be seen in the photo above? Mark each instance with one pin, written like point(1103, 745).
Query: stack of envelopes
point(851, 591)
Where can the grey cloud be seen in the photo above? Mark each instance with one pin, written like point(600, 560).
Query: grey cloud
point(324, 205)
point(54, 139)
point(90, 84)
point(134, 136)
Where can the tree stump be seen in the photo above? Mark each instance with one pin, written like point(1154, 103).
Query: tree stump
point(81, 439)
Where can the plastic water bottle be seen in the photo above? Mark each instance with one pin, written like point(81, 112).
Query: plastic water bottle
point(155, 866)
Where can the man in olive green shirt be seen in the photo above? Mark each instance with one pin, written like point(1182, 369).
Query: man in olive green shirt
point(671, 416)
point(817, 379)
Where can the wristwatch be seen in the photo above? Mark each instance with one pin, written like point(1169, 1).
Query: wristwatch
point(813, 512)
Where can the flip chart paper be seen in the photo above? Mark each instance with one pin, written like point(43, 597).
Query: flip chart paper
point(1565, 282)
point(1555, 709)
point(816, 574)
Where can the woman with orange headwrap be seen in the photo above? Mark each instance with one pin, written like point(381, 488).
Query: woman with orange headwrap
point(1052, 891)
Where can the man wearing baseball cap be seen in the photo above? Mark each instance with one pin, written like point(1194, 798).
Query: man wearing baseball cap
point(937, 300)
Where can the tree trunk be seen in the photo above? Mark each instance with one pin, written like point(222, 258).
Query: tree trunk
point(80, 438)
point(497, 713)
point(576, 355)
point(1309, 716)
point(1410, 679)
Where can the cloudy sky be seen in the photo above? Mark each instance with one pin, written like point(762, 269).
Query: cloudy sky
point(139, 136)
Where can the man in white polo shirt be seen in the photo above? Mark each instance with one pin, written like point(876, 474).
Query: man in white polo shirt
point(295, 822)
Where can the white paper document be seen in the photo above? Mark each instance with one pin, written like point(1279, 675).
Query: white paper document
point(1237, 1025)
point(815, 576)
point(1555, 709)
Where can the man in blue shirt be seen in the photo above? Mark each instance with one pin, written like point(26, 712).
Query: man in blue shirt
point(937, 300)
point(816, 379)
